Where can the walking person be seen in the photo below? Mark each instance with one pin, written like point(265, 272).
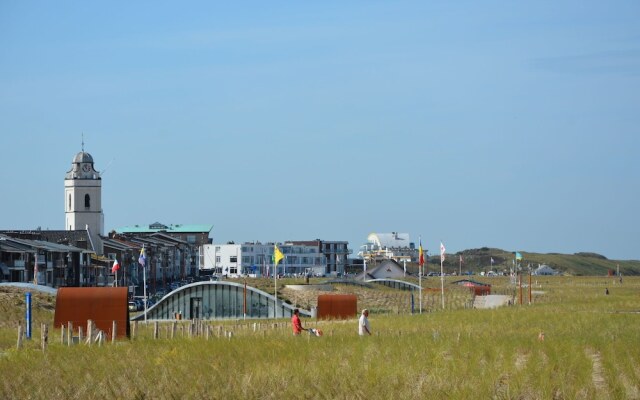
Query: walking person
point(363, 324)
point(296, 325)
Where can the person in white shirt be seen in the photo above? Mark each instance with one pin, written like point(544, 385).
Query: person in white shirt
point(363, 324)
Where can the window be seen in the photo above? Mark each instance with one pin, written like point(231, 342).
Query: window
point(233, 259)
point(191, 239)
point(217, 259)
point(87, 201)
point(69, 201)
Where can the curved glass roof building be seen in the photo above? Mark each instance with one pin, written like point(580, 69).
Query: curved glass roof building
point(218, 300)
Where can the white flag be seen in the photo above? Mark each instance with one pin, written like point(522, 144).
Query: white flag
point(442, 250)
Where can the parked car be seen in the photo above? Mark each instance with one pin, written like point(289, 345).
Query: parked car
point(133, 306)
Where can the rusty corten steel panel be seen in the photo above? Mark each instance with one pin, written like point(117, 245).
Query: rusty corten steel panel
point(101, 305)
point(337, 306)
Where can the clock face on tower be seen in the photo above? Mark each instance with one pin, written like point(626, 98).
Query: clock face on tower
point(86, 167)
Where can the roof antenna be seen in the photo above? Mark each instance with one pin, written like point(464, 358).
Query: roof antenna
point(83, 142)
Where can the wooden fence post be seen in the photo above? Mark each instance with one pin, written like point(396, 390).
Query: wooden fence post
point(155, 330)
point(114, 331)
point(89, 332)
point(19, 345)
point(62, 334)
point(69, 333)
point(45, 336)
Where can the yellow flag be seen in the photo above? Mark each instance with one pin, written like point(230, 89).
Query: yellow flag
point(277, 254)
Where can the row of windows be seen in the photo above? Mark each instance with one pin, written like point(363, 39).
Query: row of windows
point(249, 260)
point(293, 250)
point(335, 247)
point(284, 249)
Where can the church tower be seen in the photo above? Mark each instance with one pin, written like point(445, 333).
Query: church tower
point(83, 199)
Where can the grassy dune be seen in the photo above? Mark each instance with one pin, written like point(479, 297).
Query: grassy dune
point(590, 351)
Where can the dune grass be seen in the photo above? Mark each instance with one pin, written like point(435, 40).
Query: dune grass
point(590, 351)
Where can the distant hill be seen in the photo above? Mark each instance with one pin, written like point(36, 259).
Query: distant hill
point(579, 264)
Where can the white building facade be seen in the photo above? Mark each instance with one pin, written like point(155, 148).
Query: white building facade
point(255, 259)
point(389, 246)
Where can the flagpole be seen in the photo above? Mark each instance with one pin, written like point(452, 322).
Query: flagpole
point(275, 260)
point(442, 272)
point(35, 270)
point(364, 276)
point(420, 268)
point(144, 289)
point(144, 283)
point(442, 281)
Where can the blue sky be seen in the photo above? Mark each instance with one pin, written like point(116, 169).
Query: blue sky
point(497, 124)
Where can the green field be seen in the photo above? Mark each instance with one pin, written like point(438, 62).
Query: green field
point(590, 351)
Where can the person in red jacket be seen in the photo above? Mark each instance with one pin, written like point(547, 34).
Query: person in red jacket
point(295, 322)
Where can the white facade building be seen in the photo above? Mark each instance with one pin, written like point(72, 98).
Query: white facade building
point(255, 259)
point(221, 258)
point(544, 270)
point(83, 199)
point(388, 246)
